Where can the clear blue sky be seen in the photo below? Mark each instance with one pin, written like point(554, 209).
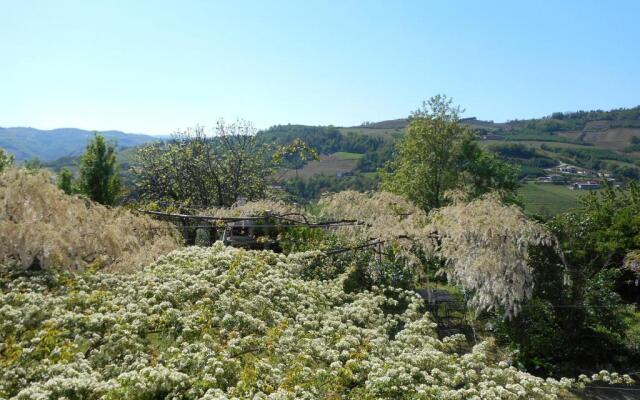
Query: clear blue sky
point(157, 66)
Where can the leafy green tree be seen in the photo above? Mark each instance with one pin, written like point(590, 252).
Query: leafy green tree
point(6, 160)
point(296, 154)
point(33, 164)
point(99, 171)
point(578, 318)
point(65, 181)
point(210, 171)
point(483, 171)
point(439, 154)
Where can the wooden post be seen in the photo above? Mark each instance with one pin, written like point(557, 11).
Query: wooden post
point(213, 233)
point(224, 235)
point(428, 286)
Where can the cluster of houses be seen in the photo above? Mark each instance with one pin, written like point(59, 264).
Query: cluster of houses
point(576, 178)
point(586, 185)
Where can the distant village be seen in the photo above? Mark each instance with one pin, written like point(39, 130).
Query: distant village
point(576, 178)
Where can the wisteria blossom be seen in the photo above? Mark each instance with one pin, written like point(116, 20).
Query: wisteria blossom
point(484, 243)
point(39, 223)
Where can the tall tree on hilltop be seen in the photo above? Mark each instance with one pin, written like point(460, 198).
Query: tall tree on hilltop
point(99, 171)
point(438, 154)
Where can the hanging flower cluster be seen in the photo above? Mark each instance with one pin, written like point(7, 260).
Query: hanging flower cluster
point(41, 224)
point(387, 217)
point(485, 244)
point(223, 323)
point(631, 262)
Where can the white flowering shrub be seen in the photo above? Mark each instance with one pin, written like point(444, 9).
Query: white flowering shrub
point(38, 221)
point(224, 323)
point(484, 243)
point(486, 247)
point(387, 216)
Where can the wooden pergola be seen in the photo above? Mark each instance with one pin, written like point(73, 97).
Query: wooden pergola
point(244, 231)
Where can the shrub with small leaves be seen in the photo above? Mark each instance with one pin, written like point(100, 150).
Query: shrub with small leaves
point(224, 323)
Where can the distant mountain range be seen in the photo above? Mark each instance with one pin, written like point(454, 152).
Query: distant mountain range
point(49, 145)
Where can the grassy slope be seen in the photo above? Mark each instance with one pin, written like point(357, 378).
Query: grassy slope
point(328, 165)
point(345, 155)
point(545, 198)
point(613, 138)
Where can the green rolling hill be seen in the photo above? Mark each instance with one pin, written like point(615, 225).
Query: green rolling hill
point(595, 140)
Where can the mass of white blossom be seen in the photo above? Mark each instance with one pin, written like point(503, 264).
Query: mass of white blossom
point(224, 323)
point(632, 261)
point(38, 221)
point(485, 244)
point(387, 217)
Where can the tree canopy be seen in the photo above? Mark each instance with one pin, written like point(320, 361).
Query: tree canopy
point(577, 318)
point(194, 168)
point(438, 154)
point(99, 171)
point(65, 181)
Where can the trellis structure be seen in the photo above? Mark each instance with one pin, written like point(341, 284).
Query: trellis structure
point(252, 232)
